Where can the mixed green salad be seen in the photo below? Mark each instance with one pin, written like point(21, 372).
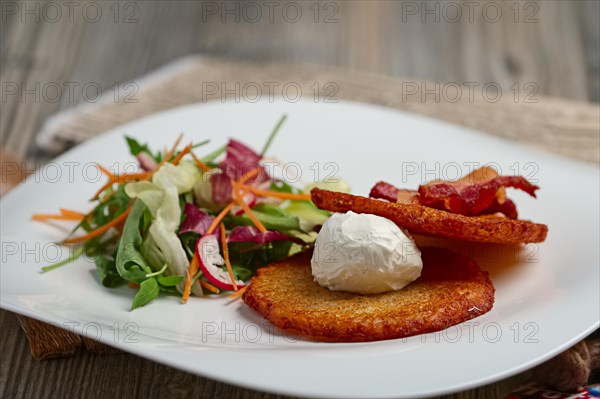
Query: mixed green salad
point(186, 225)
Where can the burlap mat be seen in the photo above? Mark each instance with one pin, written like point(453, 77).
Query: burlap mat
point(565, 127)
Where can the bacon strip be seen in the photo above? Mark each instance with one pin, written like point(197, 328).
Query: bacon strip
point(481, 192)
point(386, 191)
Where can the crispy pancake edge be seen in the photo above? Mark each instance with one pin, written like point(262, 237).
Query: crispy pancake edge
point(425, 220)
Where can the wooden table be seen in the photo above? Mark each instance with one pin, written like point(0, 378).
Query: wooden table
point(105, 52)
point(552, 46)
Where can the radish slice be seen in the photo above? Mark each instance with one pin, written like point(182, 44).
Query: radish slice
point(249, 198)
point(146, 161)
point(209, 256)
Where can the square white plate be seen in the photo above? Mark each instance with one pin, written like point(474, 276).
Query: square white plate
point(547, 295)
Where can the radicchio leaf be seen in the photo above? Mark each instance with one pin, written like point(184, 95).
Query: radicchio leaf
point(239, 160)
point(195, 220)
point(252, 234)
point(221, 186)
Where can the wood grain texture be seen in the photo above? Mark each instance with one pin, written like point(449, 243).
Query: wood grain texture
point(93, 375)
point(47, 341)
point(553, 45)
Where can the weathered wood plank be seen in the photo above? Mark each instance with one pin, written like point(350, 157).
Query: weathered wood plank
point(385, 37)
point(122, 375)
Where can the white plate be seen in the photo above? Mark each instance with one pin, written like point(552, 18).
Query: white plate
point(546, 298)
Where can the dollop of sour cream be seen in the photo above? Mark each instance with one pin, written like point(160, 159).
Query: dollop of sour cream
point(365, 254)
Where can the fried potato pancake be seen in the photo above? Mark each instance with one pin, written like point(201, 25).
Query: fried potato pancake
point(425, 220)
point(451, 289)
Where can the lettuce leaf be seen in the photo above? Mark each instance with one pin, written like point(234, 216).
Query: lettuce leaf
point(182, 177)
point(130, 262)
point(161, 196)
point(309, 216)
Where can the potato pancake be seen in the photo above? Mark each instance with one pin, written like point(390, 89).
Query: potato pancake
point(452, 289)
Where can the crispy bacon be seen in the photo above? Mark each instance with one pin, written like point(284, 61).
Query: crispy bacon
point(508, 208)
point(478, 193)
point(481, 192)
point(383, 190)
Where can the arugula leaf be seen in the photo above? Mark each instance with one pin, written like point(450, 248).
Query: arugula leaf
point(188, 241)
point(130, 263)
point(275, 251)
point(270, 209)
point(270, 221)
point(148, 291)
point(76, 254)
point(241, 273)
point(247, 257)
point(169, 281)
point(107, 271)
point(113, 203)
point(135, 148)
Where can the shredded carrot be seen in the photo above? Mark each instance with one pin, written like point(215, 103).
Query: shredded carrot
point(183, 152)
point(133, 285)
point(114, 178)
point(246, 208)
point(238, 292)
point(277, 194)
point(249, 175)
point(69, 212)
point(102, 189)
point(42, 217)
point(121, 179)
point(218, 219)
point(169, 154)
point(109, 183)
point(133, 176)
point(226, 210)
point(205, 168)
point(105, 171)
point(100, 230)
point(192, 269)
point(65, 214)
point(209, 286)
point(226, 257)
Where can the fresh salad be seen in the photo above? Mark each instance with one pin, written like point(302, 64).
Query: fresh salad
point(185, 224)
